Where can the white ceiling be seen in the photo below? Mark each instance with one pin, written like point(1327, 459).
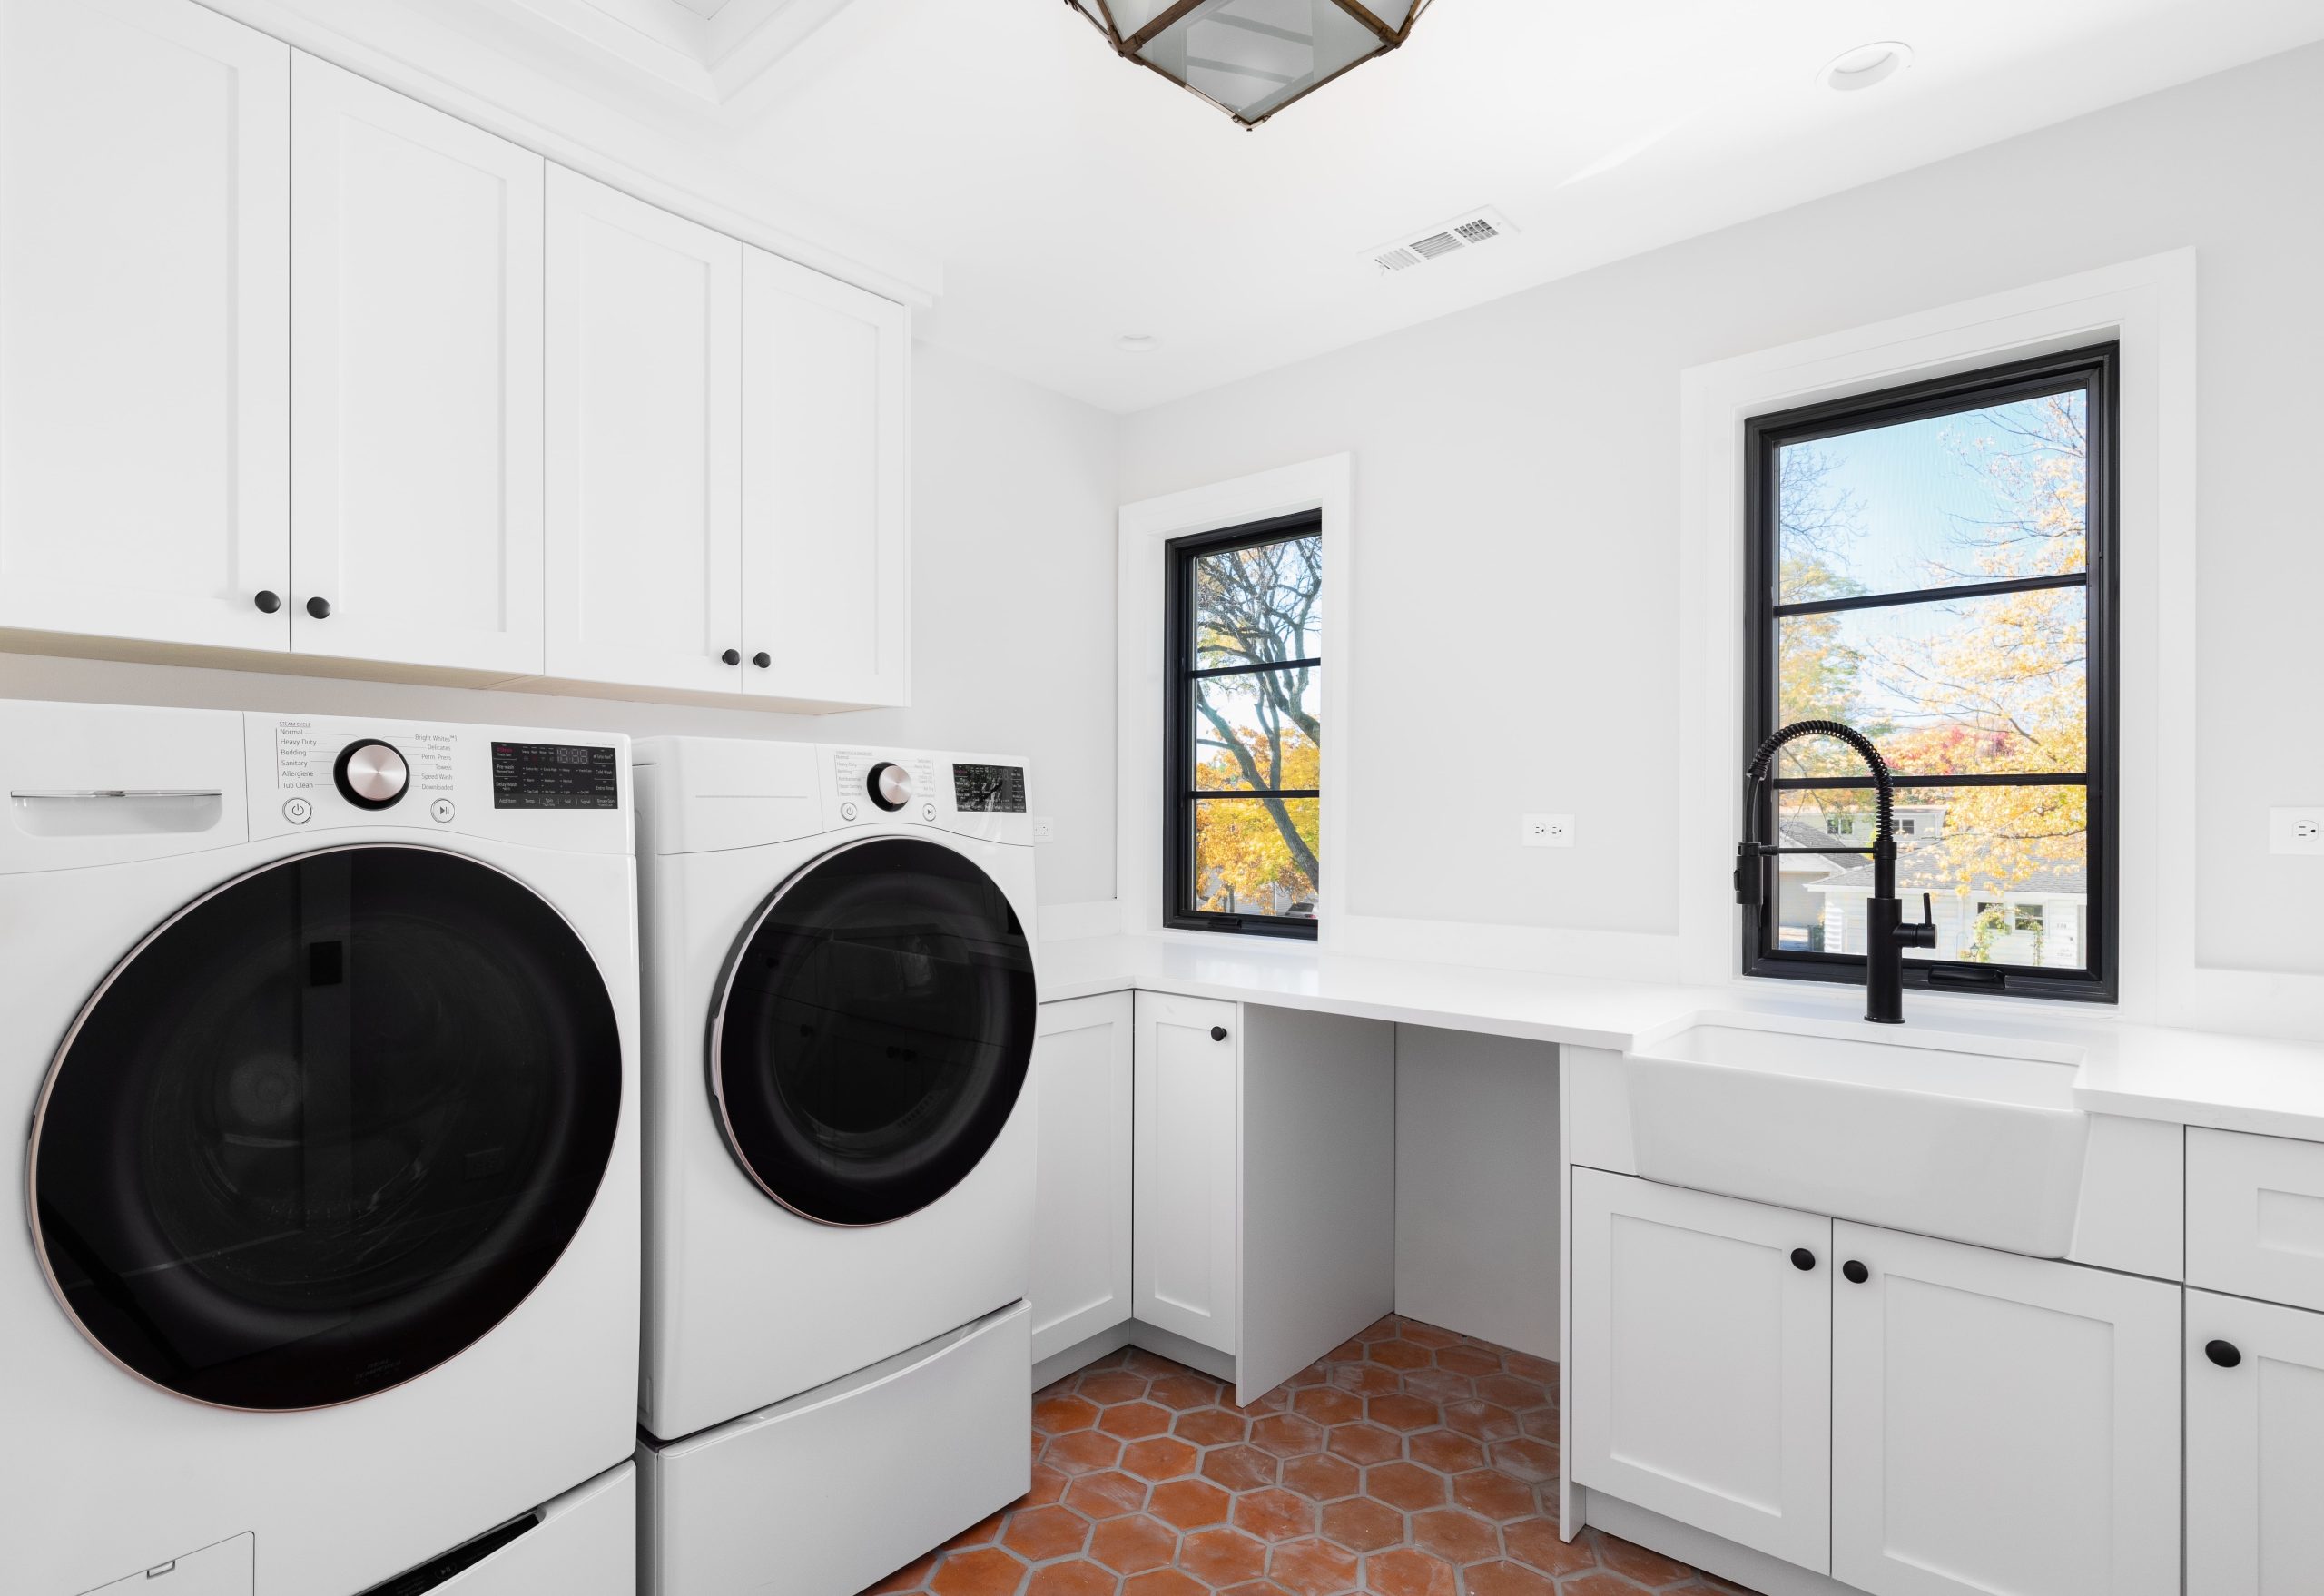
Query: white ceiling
point(1073, 198)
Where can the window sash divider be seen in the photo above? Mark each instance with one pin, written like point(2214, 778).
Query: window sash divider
point(1825, 606)
point(1202, 793)
point(1254, 670)
point(1981, 779)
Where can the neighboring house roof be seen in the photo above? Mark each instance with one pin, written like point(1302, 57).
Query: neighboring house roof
point(1925, 870)
point(1800, 834)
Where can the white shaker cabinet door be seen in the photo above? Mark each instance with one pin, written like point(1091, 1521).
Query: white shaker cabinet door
point(145, 312)
point(2001, 1423)
point(1702, 1350)
point(1081, 1221)
point(644, 436)
point(415, 382)
point(2255, 1448)
point(826, 411)
point(1189, 1223)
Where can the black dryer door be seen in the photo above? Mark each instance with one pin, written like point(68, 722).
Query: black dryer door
point(325, 1127)
point(872, 1031)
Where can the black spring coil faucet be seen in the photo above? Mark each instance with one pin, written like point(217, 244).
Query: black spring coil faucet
point(1888, 935)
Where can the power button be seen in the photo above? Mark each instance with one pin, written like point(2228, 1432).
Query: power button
point(442, 812)
point(847, 812)
point(298, 811)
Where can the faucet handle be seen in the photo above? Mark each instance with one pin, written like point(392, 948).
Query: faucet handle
point(1924, 934)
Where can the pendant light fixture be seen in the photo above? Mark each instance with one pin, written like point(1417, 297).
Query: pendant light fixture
point(1251, 58)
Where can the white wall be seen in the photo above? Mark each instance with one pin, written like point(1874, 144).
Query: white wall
point(1516, 502)
point(1012, 624)
point(1477, 1195)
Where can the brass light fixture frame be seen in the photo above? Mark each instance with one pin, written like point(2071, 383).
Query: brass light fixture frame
point(1127, 46)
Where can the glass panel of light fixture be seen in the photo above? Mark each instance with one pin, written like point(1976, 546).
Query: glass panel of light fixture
point(1252, 55)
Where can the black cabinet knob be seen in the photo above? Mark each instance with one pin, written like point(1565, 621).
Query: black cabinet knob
point(2225, 1354)
point(732, 656)
point(1856, 1273)
point(1802, 1259)
point(319, 607)
point(763, 659)
point(267, 600)
point(1218, 1033)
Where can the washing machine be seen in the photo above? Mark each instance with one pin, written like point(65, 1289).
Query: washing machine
point(840, 1003)
point(323, 1035)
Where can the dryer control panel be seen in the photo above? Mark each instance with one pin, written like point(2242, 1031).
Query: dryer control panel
point(970, 794)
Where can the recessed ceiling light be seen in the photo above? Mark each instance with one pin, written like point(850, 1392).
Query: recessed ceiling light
point(1138, 343)
point(1867, 64)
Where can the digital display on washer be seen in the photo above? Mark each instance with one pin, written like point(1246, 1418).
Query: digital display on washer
point(989, 789)
point(555, 775)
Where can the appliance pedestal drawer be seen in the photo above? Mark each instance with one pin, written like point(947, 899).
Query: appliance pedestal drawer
point(829, 1491)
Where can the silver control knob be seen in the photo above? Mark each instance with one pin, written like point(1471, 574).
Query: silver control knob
point(371, 774)
point(890, 785)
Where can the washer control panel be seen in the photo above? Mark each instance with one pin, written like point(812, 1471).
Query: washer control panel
point(553, 788)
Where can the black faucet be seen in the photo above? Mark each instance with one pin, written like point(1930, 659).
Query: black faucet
point(1883, 961)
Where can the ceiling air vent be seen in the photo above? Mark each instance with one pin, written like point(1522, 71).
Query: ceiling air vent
point(1462, 233)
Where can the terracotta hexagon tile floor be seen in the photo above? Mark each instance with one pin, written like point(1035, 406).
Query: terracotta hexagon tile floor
point(1408, 1461)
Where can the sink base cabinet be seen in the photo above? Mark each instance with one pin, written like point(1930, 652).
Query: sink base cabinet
point(2001, 1423)
point(1956, 1421)
point(2255, 1449)
point(1711, 1396)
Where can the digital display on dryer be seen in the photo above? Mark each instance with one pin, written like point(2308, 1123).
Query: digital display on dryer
point(555, 775)
point(989, 789)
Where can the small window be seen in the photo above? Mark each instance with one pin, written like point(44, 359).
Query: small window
point(1934, 567)
point(1243, 766)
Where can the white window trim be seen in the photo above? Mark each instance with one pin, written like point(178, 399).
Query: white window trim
point(1326, 485)
point(2149, 305)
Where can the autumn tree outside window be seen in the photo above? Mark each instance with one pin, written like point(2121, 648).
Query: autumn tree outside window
point(1242, 848)
point(1934, 566)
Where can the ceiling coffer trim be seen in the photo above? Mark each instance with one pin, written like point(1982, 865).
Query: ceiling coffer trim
point(1131, 46)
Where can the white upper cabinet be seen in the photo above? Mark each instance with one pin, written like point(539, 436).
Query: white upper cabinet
point(2001, 1423)
point(645, 443)
point(144, 225)
point(415, 382)
point(1706, 1324)
point(826, 370)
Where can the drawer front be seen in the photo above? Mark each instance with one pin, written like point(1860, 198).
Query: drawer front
point(2255, 1216)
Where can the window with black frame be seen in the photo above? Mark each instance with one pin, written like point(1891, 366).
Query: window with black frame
point(1242, 762)
point(1934, 565)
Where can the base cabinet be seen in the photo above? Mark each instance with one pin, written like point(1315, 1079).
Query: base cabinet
point(1187, 1115)
point(1707, 1323)
point(2255, 1448)
point(1081, 1216)
point(1977, 1422)
point(2001, 1423)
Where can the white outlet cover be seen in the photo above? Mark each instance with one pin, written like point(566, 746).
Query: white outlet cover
point(2296, 831)
point(1044, 829)
point(1546, 830)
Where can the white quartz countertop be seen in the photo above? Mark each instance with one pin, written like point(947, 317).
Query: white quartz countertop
point(2211, 1079)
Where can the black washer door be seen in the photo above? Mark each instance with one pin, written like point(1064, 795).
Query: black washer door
point(873, 1031)
point(325, 1127)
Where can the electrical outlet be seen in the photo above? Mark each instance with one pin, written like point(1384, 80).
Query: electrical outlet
point(2296, 831)
point(1044, 829)
point(1547, 831)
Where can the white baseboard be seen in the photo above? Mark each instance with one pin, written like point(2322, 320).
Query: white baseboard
point(1712, 1553)
point(1151, 1338)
